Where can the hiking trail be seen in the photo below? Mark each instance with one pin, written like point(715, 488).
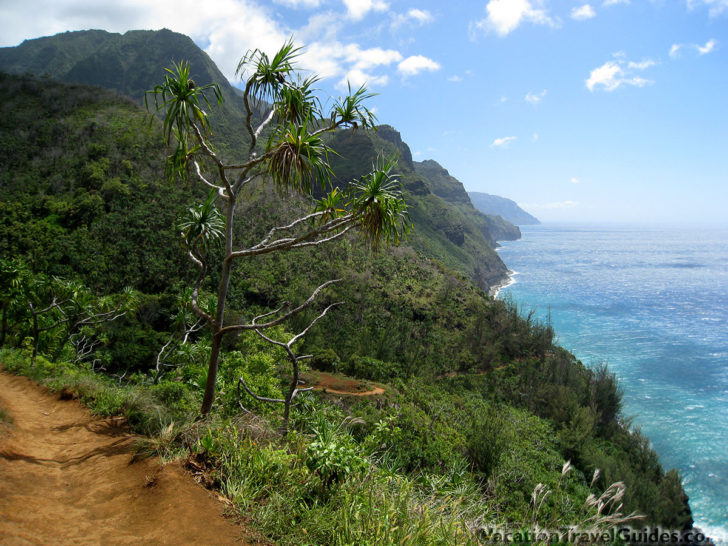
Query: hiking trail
point(66, 477)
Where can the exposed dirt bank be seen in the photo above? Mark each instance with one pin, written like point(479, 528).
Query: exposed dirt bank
point(336, 384)
point(66, 478)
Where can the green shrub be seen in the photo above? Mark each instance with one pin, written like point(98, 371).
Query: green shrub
point(333, 455)
point(486, 441)
point(325, 360)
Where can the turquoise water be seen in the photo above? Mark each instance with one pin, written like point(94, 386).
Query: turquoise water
point(653, 304)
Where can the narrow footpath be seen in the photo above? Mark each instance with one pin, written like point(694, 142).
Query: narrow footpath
point(66, 477)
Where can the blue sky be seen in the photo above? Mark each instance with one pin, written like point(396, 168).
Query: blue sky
point(609, 110)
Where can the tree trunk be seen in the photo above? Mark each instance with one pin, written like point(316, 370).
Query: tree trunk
point(289, 396)
point(59, 349)
point(213, 363)
point(4, 326)
point(36, 337)
point(212, 367)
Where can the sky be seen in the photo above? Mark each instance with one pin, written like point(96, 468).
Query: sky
point(596, 110)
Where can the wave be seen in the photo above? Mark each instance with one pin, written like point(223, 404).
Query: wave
point(508, 281)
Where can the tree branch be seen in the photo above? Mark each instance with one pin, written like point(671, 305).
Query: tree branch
point(248, 115)
point(212, 155)
point(196, 290)
point(242, 382)
point(264, 123)
point(198, 171)
point(322, 241)
point(296, 242)
point(295, 338)
point(282, 318)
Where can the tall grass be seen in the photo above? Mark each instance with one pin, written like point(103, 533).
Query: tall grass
point(319, 485)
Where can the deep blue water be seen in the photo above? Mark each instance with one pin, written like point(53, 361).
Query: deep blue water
point(653, 304)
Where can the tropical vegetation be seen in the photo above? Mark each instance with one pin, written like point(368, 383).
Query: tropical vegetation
point(483, 421)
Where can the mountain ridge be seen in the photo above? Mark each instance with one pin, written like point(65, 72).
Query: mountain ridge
point(502, 206)
point(447, 226)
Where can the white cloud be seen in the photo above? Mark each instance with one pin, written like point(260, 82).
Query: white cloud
point(608, 3)
point(454, 78)
point(412, 17)
point(642, 65)
point(614, 74)
point(368, 58)
point(702, 50)
point(502, 142)
point(534, 137)
point(416, 64)
point(228, 31)
point(575, 180)
point(357, 78)
point(535, 98)
point(299, 3)
point(708, 47)
point(230, 28)
point(504, 16)
point(359, 61)
point(357, 9)
point(582, 13)
point(715, 7)
point(421, 16)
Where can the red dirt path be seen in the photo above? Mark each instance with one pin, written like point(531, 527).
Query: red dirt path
point(335, 384)
point(66, 478)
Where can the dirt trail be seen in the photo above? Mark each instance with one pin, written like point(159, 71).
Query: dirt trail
point(66, 478)
point(340, 385)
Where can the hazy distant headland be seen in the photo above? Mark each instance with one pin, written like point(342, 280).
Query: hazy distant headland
point(501, 206)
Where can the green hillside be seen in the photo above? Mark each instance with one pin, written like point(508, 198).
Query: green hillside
point(448, 229)
point(480, 410)
point(130, 63)
point(493, 226)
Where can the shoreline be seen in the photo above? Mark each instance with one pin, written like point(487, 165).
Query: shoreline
point(509, 280)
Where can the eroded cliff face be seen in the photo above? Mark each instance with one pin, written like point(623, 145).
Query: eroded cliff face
point(443, 184)
point(446, 225)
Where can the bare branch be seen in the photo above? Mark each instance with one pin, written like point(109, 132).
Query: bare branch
point(242, 181)
point(326, 129)
point(83, 347)
point(265, 122)
point(248, 115)
point(196, 327)
point(198, 171)
point(289, 226)
point(212, 155)
point(95, 320)
point(270, 340)
point(196, 290)
point(242, 382)
point(296, 242)
point(300, 390)
point(285, 304)
point(314, 321)
point(323, 241)
point(282, 318)
point(162, 356)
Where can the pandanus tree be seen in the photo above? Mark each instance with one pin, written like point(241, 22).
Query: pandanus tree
point(286, 126)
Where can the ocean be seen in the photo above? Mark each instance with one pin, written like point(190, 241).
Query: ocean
point(652, 303)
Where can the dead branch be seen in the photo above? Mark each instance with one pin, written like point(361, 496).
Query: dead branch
point(254, 326)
